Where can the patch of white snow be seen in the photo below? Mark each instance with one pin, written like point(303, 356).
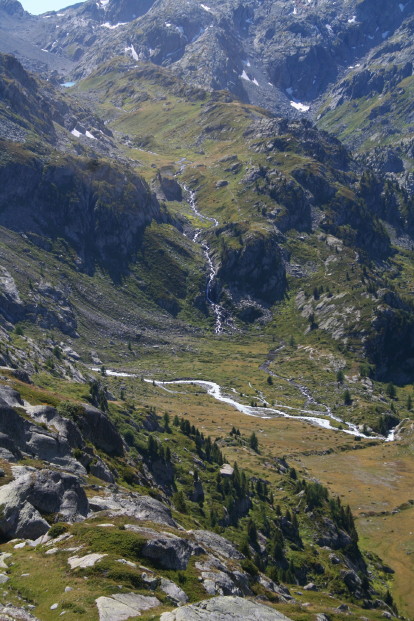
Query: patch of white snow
point(206, 8)
point(133, 52)
point(299, 106)
point(112, 26)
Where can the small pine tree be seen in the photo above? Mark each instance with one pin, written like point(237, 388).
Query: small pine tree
point(254, 442)
point(166, 420)
point(269, 380)
point(252, 532)
point(179, 502)
point(340, 376)
point(391, 391)
point(347, 397)
point(409, 403)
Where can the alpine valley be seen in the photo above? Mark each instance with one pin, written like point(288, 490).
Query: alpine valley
point(207, 311)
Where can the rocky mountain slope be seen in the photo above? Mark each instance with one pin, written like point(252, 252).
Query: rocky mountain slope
point(74, 501)
point(268, 53)
point(173, 212)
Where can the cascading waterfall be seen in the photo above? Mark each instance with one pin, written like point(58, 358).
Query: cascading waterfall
point(218, 311)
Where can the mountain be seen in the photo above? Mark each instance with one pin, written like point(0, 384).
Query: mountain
point(269, 53)
point(206, 319)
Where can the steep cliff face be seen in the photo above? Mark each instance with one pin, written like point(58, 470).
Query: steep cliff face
point(98, 208)
point(251, 268)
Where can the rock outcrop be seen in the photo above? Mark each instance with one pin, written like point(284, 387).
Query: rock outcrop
point(224, 609)
point(35, 493)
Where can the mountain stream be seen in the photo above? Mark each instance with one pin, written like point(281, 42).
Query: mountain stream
point(320, 419)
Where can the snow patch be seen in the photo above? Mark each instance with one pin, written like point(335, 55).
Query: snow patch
point(299, 106)
point(112, 26)
point(206, 8)
point(402, 7)
point(75, 132)
point(133, 52)
point(385, 34)
point(246, 62)
point(244, 76)
point(352, 20)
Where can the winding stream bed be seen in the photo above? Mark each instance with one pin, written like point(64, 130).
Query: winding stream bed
point(320, 419)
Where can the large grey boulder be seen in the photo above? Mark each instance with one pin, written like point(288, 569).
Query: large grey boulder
point(11, 396)
point(11, 305)
point(218, 579)
point(59, 492)
point(133, 505)
point(219, 583)
point(12, 613)
point(96, 427)
point(224, 609)
point(173, 591)
point(168, 551)
point(19, 435)
point(48, 415)
point(69, 432)
point(217, 544)
point(36, 492)
point(122, 606)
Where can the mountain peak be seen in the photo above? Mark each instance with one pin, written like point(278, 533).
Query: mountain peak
point(12, 7)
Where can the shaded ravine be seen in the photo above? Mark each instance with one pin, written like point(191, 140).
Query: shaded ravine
point(219, 312)
point(216, 391)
